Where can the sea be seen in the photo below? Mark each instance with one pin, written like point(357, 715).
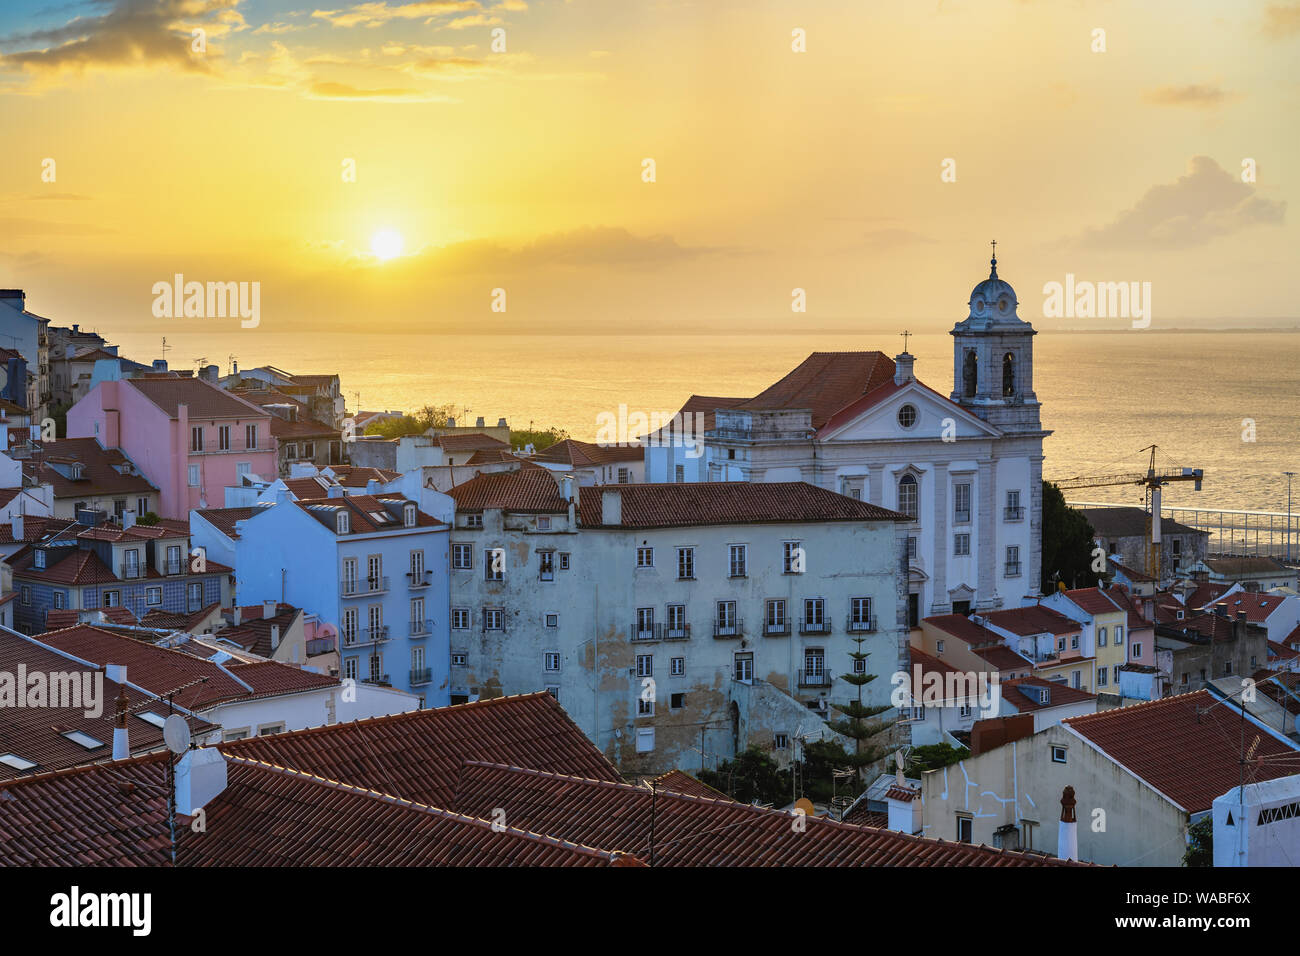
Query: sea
point(1225, 402)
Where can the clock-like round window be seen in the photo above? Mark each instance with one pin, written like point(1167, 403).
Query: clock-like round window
point(979, 305)
point(1004, 304)
point(907, 416)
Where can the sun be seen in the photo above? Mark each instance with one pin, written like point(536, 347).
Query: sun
point(386, 244)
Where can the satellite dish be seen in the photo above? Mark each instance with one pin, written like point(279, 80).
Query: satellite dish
point(176, 734)
point(805, 805)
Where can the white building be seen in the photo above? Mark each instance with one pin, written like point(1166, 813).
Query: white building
point(967, 468)
point(670, 619)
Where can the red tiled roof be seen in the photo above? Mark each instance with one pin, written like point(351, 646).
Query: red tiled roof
point(81, 566)
point(1247, 566)
point(205, 401)
point(929, 665)
point(34, 528)
point(877, 395)
point(1004, 659)
point(860, 815)
point(1206, 625)
point(1034, 619)
point(314, 486)
point(161, 670)
point(417, 755)
point(1131, 573)
point(1205, 593)
point(223, 519)
point(358, 476)
point(582, 454)
point(1061, 694)
point(530, 489)
point(959, 625)
point(706, 405)
point(726, 502)
point(1091, 600)
point(470, 442)
point(491, 456)
point(824, 383)
point(253, 633)
point(361, 510)
point(904, 794)
point(178, 620)
point(696, 831)
point(56, 618)
point(1187, 747)
point(679, 781)
point(1121, 596)
point(98, 476)
point(1281, 651)
point(1258, 605)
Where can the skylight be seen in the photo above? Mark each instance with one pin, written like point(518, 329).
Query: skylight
point(15, 761)
point(149, 717)
point(87, 741)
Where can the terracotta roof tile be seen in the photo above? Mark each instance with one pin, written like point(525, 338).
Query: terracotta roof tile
point(204, 400)
point(679, 781)
point(1188, 747)
point(1034, 619)
point(530, 489)
point(470, 442)
point(1018, 692)
point(99, 477)
point(824, 383)
point(582, 454)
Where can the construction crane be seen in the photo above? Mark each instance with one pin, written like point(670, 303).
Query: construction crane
point(1153, 481)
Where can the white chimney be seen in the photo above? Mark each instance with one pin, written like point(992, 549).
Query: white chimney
point(269, 608)
point(128, 518)
point(611, 508)
point(903, 368)
point(479, 423)
point(236, 616)
point(1067, 841)
point(121, 738)
point(18, 529)
point(200, 776)
point(275, 636)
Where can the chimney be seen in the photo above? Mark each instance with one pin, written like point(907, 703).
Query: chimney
point(160, 365)
point(269, 608)
point(334, 491)
point(611, 508)
point(275, 636)
point(234, 367)
point(903, 368)
point(236, 616)
point(1221, 609)
point(1067, 841)
point(451, 423)
point(566, 487)
point(128, 518)
point(18, 528)
point(479, 423)
point(501, 423)
point(121, 739)
point(200, 776)
point(1149, 609)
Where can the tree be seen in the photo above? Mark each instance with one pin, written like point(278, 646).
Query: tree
point(933, 757)
point(430, 416)
point(859, 724)
point(752, 775)
point(537, 437)
point(1200, 847)
point(1068, 543)
point(148, 518)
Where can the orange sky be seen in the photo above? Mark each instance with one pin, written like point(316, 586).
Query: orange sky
point(522, 169)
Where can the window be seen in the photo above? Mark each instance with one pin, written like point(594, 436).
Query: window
point(564, 560)
point(552, 620)
point(960, 544)
point(551, 661)
point(907, 416)
point(174, 565)
point(964, 829)
point(677, 620)
point(645, 623)
point(546, 565)
point(458, 660)
point(938, 646)
point(1074, 642)
point(677, 666)
point(624, 476)
point(792, 557)
point(685, 564)
point(737, 561)
point(1135, 651)
point(644, 707)
point(1184, 680)
point(267, 729)
point(418, 624)
point(119, 509)
point(1013, 561)
point(1076, 679)
point(375, 572)
point(291, 450)
point(494, 564)
point(726, 621)
point(417, 567)
point(350, 668)
point(1101, 676)
point(677, 701)
point(1116, 669)
point(645, 557)
point(744, 668)
point(58, 599)
point(141, 506)
point(153, 597)
point(223, 438)
point(250, 436)
point(961, 502)
point(493, 619)
point(911, 547)
point(776, 621)
point(814, 662)
point(194, 476)
point(342, 522)
point(1058, 755)
point(780, 741)
point(964, 711)
point(645, 665)
point(543, 523)
point(679, 473)
point(1119, 635)
point(39, 560)
point(460, 618)
point(907, 496)
point(309, 449)
point(462, 557)
point(645, 740)
point(474, 521)
point(552, 689)
point(814, 615)
point(1014, 511)
point(860, 614)
point(1101, 637)
point(408, 515)
point(350, 625)
point(196, 438)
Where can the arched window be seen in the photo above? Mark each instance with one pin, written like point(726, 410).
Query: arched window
point(907, 495)
point(1008, 375)
point(969, 374)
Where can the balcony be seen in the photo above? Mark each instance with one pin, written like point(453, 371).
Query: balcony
point(320, 645)
point(1013, 569)
point(379, 679)
point(174, 567)
point(1013, 514)
point(734, 629)
point(815, 678)
point(419, 579)
point(367, 635)
point(815, 627)
point(676, 632)
point(776, 629)
point(646, 632)
point(421, 628)
point(362, 586)
point(860, 625)
point(129, 572)
point(421, 675)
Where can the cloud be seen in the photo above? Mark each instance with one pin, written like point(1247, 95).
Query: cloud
point(1196, 95)
point(1206, 203)
point(132, 34)
point(277, 28)
point(477, 20)
point(376, 14)
point(328, 90)
point(1282, 19)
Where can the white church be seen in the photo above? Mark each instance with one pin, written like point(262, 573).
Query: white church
point(966, 468)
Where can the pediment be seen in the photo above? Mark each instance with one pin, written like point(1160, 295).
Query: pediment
point(936, 419)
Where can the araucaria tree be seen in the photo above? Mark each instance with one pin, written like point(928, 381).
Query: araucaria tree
point(860, 723)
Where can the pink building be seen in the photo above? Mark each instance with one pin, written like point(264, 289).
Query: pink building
point(190, 439)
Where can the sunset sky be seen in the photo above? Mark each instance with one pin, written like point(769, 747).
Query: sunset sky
point(522, 169)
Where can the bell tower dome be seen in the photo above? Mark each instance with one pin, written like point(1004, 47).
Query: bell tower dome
point(993, 358)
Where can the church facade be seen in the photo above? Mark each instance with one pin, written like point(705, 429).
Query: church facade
point(966, 467)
